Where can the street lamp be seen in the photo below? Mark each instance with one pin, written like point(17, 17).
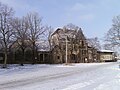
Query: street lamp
point(66, 49)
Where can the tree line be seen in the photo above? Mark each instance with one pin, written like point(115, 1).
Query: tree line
point(20, 32)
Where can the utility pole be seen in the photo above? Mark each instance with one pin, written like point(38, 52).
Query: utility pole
point(66, 50)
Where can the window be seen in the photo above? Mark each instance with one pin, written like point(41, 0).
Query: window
point(41, 57)
point(58, 57)
point(73, 57)
point(64, 47)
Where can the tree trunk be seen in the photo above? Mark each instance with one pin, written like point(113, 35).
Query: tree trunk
point(5, 60)
point(33, 57)
point(5, 57)
point(23, 59)
point(33, 51)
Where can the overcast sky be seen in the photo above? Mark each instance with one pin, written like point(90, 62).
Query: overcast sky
point(93, 16)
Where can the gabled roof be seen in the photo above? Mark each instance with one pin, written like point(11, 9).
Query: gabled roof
point(70, 33)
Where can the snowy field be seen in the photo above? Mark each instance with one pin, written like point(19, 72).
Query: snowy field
point(83, 76)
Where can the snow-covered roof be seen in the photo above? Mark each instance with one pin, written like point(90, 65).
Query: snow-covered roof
point(106, 51)
point(43, 45)
point(43, 49)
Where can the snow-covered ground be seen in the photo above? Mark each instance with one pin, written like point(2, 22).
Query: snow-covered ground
point(83, 76)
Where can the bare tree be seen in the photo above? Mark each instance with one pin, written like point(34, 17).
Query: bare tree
point(75, 39)
point(112, 37)
point(94, 42)
point(71, 26)
point(36, 29)
point(49, 31)
point(6, 14)
point(107, 46)
point(76, 35)
point(73, 36)
point(20, 27)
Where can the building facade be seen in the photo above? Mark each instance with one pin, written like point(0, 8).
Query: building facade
point(70, 46)
point(106, 56)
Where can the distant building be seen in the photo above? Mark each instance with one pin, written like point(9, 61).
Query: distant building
point(106, 55)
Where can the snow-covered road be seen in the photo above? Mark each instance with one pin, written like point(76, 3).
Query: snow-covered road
point(90, 76)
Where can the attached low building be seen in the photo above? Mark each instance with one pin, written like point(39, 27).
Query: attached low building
point(106, 56)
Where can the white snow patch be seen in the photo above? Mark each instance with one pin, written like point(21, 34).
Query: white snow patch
point(83, 76)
